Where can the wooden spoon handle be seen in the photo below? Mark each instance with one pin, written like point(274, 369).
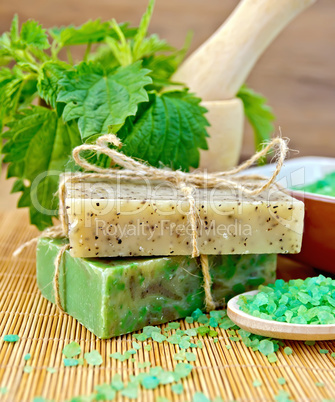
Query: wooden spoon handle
point(218, 68)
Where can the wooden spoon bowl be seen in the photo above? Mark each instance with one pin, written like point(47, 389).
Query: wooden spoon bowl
point(276, 329)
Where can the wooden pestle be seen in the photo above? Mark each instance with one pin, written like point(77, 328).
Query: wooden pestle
point(218, 68)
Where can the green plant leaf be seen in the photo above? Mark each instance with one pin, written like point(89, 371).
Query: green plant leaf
point(32, 34)
point(49, 78)
point(99, 98)
point(39, 143)
point(169, 130)
point(11, 82)
point(90, 32)
point(258, 113)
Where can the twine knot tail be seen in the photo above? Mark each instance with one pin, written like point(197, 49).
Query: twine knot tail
point(57, 264)
point(209, 302)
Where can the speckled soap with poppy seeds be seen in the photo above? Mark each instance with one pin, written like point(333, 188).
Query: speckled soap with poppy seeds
point(125, 220)
point(114, 296)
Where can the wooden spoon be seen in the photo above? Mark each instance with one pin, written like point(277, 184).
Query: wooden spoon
point(276, 329)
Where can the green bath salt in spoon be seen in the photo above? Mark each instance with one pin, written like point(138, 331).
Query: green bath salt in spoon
point(297, 310)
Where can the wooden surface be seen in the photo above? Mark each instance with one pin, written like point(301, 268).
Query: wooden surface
point(44, 332)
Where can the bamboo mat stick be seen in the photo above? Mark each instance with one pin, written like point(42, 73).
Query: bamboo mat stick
point(44, 332)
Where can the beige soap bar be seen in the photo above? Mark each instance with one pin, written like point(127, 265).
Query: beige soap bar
point(111, 219)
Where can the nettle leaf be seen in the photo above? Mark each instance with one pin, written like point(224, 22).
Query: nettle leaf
point(258, 113)
point(90, 32)
point(11, 83)
point(38, 149)
point(170, 129)
point(49, 78)
point(32, 34)
point(99, 98)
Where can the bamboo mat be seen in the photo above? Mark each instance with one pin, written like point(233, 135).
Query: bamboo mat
point(44, 331)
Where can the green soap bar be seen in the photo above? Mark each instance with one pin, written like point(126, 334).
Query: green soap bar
point(114, 296)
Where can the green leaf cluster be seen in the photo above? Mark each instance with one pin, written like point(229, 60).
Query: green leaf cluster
point(50, 105)
point(122, 84)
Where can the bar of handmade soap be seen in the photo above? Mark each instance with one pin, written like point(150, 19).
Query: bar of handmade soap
point(109, 219)
point(116, 296)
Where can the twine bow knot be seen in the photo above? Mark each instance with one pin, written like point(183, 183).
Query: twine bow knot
point(127, 168)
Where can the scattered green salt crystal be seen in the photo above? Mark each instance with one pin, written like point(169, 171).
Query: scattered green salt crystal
point(272, 358)
point(182, 370)
point(93, 358)
point(190, 357)
point(11, 338)
point(27, 356)
point(180, 355)
point(282, 396)
point(231, 332)
point(199, 344)
point(131, 351)
point(104, 392)
point(281, 380)
point(226, 323)
point(122, 357)
point(133, 360)
point(323, 351)
point(216, 340)
point(174, 339)
point(319, 384)
point(143, 364)
point(212, 333)
point(177, 388)
point(200, 397)
point(234, 338)
point(191, 332)
point(310, 343)
point(202, 331)
point(257, 383)
point(150, 382)
point(147, 348)
point(333, 355)
point(27, 369)
point(141, 337)
point(196, 314)
point(213, 323)
point(72, 349)
point(173, 325)
point(184, 344)
point(70, 362)
point(51, 370)
point(136, 345)
point(189, 320)
point(203, 319)
point(3, 390)
point(131, 391)
point(117, 383)
point(288, 351)
point(149, 330)
point(266, 347)
point(228, 347)
point(158, 337)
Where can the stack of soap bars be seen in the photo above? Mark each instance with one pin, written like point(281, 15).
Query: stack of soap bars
point(129, 262)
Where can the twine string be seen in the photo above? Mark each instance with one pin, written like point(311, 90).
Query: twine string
point(133, 170)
